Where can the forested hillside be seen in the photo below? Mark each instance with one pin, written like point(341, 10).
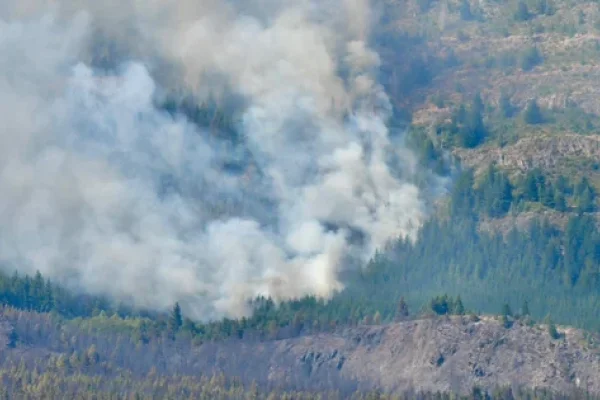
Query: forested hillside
point(46, 356)
point(497, 101)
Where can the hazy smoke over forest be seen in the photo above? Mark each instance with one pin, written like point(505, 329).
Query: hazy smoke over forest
point(103, 190)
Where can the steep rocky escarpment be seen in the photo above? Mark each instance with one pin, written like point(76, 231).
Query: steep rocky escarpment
point(444, 354)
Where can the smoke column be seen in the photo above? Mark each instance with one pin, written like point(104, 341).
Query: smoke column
point(104, 191)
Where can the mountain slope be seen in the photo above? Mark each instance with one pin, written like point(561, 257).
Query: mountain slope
point(443, 355)
point(447, 354)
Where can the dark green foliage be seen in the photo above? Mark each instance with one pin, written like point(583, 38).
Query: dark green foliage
point(467, 126)
point(552, 331)
point(494, 192)
point(505, 106)
point(459, 308)
point(536, 187)
point(533, 186)
point(175, 319)
point(559, 201)
point(545, 8)
point(532, 114)
point(441, 305)
point(522, 12)
point(402, 312)
point(462, 197)
point(38, 294)
point(531, 58)
point(445, 305)
point(505, 316)
point(586, 196)
point(558, 269)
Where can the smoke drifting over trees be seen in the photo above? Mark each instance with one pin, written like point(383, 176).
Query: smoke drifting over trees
point(105, 191)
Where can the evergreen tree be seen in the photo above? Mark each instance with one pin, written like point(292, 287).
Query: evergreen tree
point(531, 185)
point(402, 310)
point(478, 107)
point(522, 11)
point(175, 319)
point(586, 201)
point(441, 305)
point(585, 196)
point(462, 199)
point(552, 331)
point(531, 58)
point(533, 114)
point(474, 131)
point(496, 192)
point(459, 308)
point(560, 203)
point(547, 195)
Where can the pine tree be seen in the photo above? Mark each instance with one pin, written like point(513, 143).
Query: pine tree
point(533, 114)
point(552, 331)
point(474, 130)
point(560, 203)
point(522, 12)
point(459, 308)
point(586, 201)
point(506, 313)
point(402, 310)
point(175, 320)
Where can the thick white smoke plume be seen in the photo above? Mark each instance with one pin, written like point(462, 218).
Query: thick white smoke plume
point(103, 190)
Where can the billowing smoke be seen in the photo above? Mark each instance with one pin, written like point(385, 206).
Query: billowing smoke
point(105, 191)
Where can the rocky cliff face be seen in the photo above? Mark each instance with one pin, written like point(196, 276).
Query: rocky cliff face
point(444, 354)
point(550, 153)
